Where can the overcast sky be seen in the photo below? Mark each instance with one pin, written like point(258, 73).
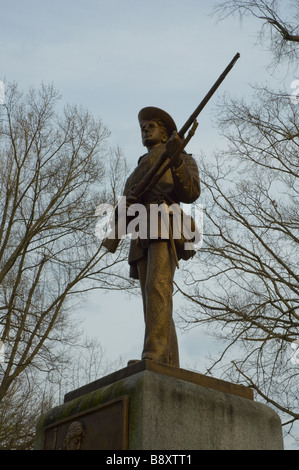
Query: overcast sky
point(115, 57)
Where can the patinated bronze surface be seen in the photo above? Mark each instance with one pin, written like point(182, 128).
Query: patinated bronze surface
point(102, 427)
point(153, 259)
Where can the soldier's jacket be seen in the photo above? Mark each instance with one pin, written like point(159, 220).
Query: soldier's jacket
point(175, 186)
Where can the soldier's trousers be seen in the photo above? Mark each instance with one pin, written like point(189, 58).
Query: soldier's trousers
point(156, 272)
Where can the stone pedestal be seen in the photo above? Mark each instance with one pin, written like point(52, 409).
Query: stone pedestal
point(152, 406)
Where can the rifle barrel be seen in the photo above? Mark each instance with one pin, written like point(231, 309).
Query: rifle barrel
point(207, 97)
point(150, 178)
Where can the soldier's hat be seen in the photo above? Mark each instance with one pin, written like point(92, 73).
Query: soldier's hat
point(150, 113)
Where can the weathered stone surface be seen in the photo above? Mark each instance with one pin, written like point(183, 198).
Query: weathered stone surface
point(164, 369)
point(182, 415)
point(166, 412)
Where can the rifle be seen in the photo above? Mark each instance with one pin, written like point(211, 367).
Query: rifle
point(153, 175)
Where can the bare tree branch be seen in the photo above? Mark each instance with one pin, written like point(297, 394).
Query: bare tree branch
point(53, 175)
point(282, 34)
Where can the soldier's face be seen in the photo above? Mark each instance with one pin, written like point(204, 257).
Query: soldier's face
point(152, 134)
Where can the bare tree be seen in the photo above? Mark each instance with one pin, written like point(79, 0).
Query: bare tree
point(33, 393)
point(245, 286)
point(248, 277)
point(52, 178)
point(25, 401)
point(279, 24)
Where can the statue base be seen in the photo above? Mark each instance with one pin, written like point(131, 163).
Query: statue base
point(152, 406)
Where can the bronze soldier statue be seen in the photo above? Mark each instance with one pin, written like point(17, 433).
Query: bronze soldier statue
point(153, 259)
point(165, 177)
